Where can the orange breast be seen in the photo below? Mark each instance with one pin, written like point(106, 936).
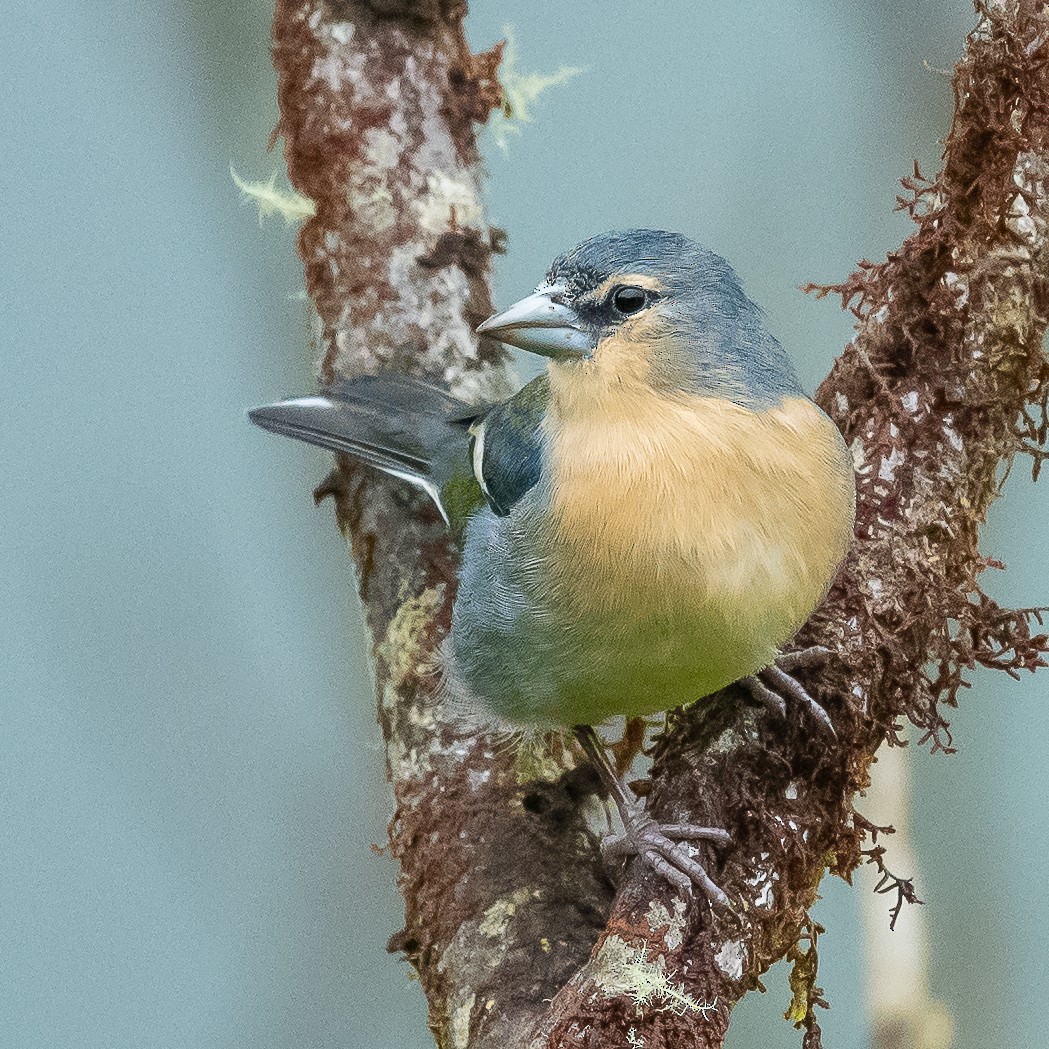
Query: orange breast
point(697, 510)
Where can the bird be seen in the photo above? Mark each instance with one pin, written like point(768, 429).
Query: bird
point(650, 519)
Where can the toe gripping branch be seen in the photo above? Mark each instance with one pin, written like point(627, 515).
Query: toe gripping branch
point(771, 686)
point(663, 847)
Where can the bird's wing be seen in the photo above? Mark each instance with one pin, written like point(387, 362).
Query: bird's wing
point(507, 445)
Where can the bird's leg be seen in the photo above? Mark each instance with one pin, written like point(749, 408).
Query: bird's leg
point(627, 749)
point(771, 685)
point(659, 845)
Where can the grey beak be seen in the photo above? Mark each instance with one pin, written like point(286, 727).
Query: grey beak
point(541, 325)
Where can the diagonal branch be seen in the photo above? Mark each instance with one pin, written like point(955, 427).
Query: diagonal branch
point(944, 382)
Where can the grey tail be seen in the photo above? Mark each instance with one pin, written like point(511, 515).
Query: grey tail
point(402, 426)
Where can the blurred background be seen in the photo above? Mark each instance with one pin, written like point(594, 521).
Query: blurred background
point(190, 767)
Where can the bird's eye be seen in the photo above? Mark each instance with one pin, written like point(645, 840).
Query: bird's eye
point(629, 299)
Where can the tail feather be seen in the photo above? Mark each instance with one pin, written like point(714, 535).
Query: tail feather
point(397, 393)
point(401, 426)
point(324, 422)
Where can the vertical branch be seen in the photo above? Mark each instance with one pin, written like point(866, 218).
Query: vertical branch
point(378, 104)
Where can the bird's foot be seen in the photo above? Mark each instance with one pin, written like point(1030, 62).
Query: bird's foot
point(771, 685)
point(664, 847)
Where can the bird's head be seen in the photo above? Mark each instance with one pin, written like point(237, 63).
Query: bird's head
point(654, 307)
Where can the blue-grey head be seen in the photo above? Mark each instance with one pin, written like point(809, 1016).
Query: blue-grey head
point(658, 306)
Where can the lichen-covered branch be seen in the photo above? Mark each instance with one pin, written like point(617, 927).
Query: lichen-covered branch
point(944, 382)
point(378, 105)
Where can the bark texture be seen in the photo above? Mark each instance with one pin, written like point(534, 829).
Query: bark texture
point(504, 894)
point(944, 382)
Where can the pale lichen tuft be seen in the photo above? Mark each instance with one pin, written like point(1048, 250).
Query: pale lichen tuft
point(289, 205)
point(520, 91)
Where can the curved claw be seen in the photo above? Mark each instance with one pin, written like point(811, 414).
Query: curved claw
point(771, 701)
point(692, 832)
point(803, 657)
point(785, 685)
point(667, 870)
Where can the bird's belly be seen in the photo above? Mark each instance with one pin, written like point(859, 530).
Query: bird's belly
point(640, 664)
point(653, 628)
point(576, 646)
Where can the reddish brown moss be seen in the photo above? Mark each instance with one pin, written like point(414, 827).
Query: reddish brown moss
point(944, 383)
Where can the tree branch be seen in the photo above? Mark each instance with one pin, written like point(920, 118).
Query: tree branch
point(900, 1003)
point(504, 893)
point(944, 382)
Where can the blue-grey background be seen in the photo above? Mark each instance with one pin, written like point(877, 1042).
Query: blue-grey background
point(189, 762)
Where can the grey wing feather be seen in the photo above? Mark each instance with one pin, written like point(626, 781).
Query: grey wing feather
point(423, 434)
point(511, 459)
